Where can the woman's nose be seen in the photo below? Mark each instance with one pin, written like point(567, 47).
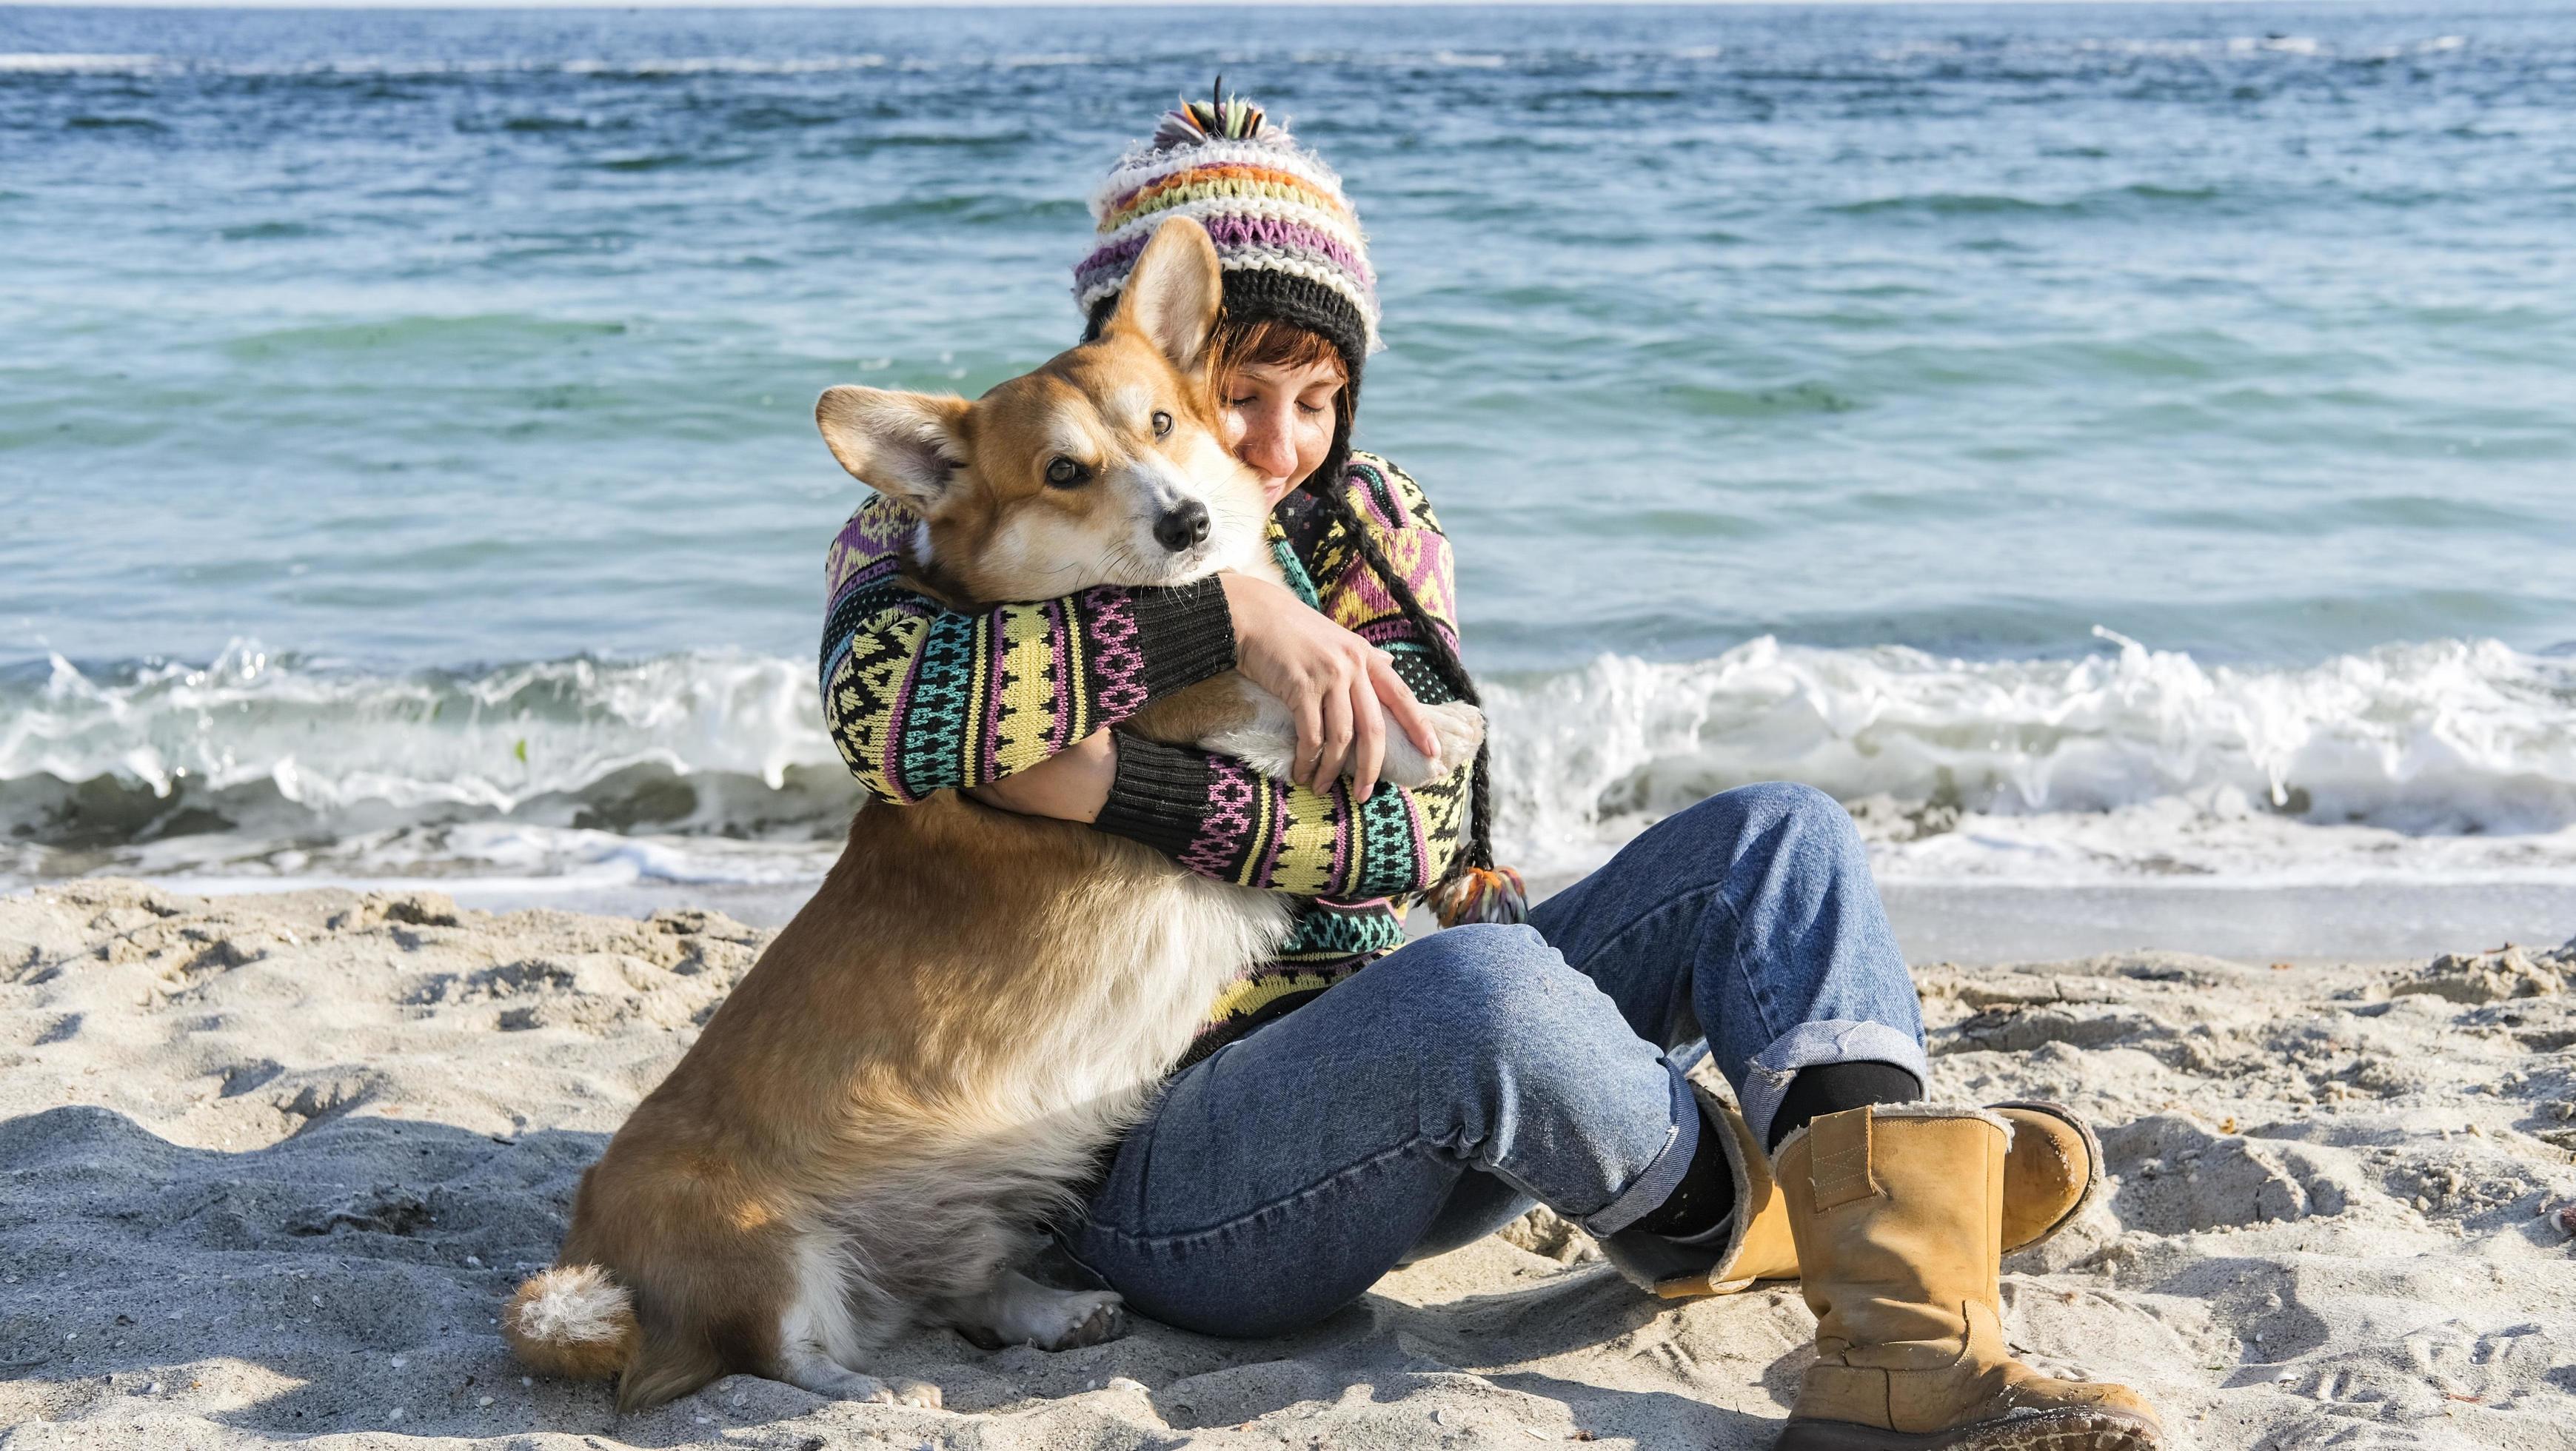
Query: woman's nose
point(1266, 445)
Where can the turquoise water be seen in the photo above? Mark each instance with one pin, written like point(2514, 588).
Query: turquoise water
point(2094, 441)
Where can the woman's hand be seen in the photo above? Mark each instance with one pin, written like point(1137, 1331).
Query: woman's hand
point(1071, 785)
point(1339, 687)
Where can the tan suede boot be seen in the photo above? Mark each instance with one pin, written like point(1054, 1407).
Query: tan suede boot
point(2052, 1171)
point(1898, 1217)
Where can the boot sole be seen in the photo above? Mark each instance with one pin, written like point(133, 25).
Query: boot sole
point(2051, 1431)
point(2092, 1179)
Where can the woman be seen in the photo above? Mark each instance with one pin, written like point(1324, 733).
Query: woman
point(1333, 1122)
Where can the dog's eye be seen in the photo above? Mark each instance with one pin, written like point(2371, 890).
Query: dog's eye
point(1162, 425)
point(1064, 473)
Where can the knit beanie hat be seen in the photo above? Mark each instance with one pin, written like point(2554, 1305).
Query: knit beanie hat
point(1286, 237)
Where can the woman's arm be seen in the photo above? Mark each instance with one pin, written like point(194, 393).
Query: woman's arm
point(1223, 820)
point(1396, 841)
point(919, 697)
point(1341, 690)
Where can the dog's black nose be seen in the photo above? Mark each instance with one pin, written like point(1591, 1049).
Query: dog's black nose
point(1183, 526)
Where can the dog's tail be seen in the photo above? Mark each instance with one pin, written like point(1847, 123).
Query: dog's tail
point(572, 1321)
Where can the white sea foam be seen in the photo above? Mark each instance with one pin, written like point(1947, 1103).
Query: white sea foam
point(405, 68)
point(2441, 760)
point(331, 740)
point(731, 65)
point(72, 63)
point(2448, 758)
point(2024, 49)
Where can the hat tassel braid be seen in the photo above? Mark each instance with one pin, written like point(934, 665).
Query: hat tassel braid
point(1480, 894)
point(1475, 889)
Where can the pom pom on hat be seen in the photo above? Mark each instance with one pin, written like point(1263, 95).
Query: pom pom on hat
point(1218, 118)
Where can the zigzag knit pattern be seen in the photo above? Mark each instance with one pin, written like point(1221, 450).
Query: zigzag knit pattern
point(920, 697)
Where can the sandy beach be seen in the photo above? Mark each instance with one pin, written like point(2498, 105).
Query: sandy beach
point(2119, 452)
point(273, 1162)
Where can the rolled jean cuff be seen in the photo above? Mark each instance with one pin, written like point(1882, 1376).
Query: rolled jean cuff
point(1810, 1045)
point(1663, 1174)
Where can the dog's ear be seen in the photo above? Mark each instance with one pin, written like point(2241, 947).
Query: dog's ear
point(1175, 292)
point(907, 446)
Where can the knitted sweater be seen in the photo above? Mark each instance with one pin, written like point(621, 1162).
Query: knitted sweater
point(921, 698)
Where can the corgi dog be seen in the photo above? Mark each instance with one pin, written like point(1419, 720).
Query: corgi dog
point(933, 1054)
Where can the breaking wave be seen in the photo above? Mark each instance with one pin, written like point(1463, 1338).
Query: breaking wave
point(2129, 760)
point(2445, 758)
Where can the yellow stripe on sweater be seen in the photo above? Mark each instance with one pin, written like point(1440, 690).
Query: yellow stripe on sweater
point(1248, 995)
point(1306, 838)
point(1028, 690)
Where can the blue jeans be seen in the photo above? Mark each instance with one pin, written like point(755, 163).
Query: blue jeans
point(1424, 1102)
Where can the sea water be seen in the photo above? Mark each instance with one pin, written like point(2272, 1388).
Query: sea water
point(2102, 445)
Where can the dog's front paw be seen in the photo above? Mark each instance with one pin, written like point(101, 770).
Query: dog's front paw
point(1460, 729)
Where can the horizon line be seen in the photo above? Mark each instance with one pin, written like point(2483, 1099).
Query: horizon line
point(570, 5)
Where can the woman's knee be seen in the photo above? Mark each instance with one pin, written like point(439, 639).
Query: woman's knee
point(1789, 803)
point(1779, 814)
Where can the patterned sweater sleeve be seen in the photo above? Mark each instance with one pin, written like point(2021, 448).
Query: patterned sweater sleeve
point(1220, 819)
point(919, 697)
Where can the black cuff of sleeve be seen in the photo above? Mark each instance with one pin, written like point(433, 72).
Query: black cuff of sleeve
point(1185, 632)
point(1159, 795)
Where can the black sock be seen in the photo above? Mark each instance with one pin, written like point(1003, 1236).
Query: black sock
point(1838, 1088)
point(1706, 1194)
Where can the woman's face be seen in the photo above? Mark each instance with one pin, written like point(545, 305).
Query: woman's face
point(1279, 420)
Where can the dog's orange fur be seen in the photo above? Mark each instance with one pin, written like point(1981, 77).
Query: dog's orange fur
point(973, 1001)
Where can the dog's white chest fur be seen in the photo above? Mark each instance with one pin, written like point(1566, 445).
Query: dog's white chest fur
point(1167, 953)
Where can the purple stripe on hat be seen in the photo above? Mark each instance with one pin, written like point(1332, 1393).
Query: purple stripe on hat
point(1231, 233)
point(1239, 231)
point(1116, 257)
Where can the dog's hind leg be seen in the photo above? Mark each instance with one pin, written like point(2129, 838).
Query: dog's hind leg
point(833, 1321)
point(808, 1368)
point(1016, 1310)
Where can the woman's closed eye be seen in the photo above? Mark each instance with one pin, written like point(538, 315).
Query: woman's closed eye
point(1302, 405)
